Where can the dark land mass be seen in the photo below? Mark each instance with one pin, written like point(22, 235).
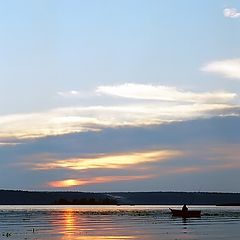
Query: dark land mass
point(87, 201)
point(12, 197)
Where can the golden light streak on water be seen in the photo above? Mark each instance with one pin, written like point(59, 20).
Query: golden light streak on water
point(69, 222)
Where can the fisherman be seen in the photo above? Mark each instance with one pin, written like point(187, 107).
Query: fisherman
point(184, 208)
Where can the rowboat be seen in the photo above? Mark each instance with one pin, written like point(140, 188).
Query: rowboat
point(185, 214)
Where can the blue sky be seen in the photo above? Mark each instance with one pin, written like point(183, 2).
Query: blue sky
point(87, 73)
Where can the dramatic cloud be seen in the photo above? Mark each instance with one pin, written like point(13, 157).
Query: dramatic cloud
point(151, 105)
point(105, 161)
point(54, 122)
point(164, 93)
point(82, 119)
point(168, 156)
point(229, 68)
point(231, 13)
point(94, 180)
point(216, 158)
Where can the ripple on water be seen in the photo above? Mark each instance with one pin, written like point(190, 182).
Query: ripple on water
point(128, 223)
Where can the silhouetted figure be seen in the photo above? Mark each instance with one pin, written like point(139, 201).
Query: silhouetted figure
point(184, 208)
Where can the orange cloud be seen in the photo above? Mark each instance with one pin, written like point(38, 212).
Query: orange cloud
point(113, 161)
point(95, 180)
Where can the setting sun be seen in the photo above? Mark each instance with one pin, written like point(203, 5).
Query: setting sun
point(66, 183)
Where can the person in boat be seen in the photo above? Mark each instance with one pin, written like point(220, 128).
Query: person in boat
point(184, 208)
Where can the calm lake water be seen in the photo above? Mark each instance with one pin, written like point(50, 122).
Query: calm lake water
point(117, 222)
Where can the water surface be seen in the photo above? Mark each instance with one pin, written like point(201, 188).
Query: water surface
point(117, 222)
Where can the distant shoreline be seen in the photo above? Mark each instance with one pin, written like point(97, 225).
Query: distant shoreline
point(18, 197)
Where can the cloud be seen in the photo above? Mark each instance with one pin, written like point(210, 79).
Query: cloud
point(95, 118)
point(93, 180)
point(53, 122)
point(164, 93)
point(2, 144)
point(231, 13)
point(74, 94)
point(106, 161)
point(193, 148)
point(70, 120)
point(152, 105)
point(210, 159)
point(229, 68)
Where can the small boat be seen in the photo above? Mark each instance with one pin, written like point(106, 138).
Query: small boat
point(185, 214)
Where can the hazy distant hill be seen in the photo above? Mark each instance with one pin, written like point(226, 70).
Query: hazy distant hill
point(195, 198)
point(174, 198)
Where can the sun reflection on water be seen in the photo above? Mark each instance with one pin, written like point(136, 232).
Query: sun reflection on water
point(69, 222)
point(71, 229)
point(100, 237)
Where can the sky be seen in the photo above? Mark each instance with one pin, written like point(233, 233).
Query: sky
point(125, 95)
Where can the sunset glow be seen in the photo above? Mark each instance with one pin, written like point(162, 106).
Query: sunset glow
point(67, 183)
point(99, 94)
point(108, 161)
point(95, 180)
